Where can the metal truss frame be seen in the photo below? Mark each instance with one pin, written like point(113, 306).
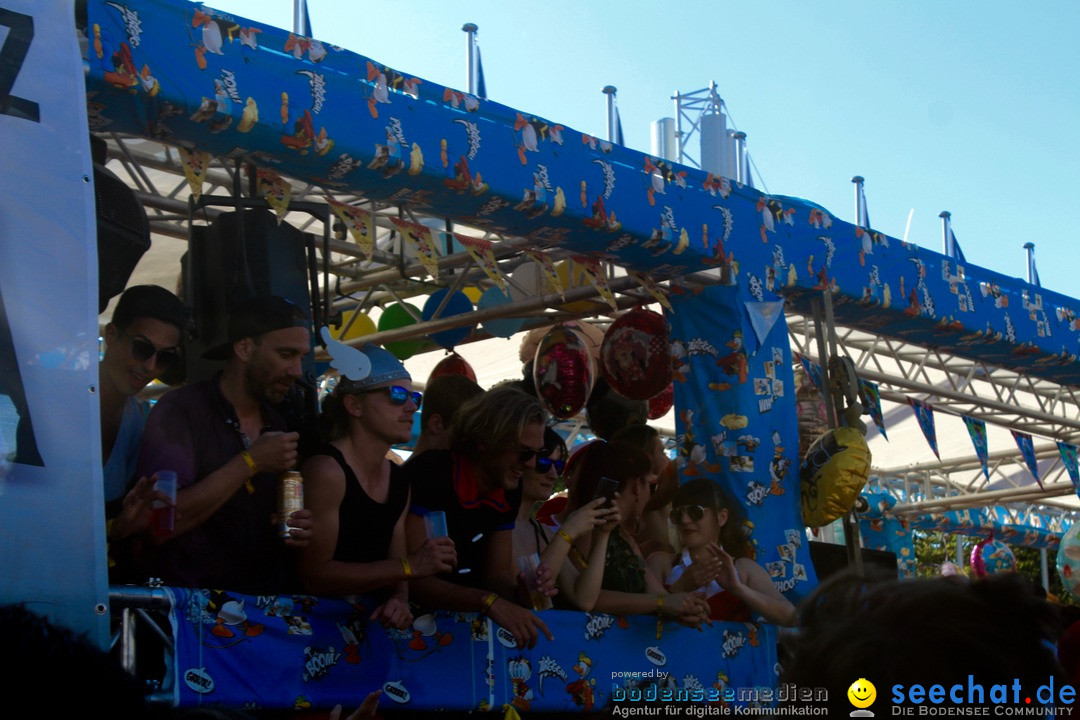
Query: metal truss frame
point(952, 384)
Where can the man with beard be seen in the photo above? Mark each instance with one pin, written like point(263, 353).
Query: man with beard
point(477, 484)
point(227, 445)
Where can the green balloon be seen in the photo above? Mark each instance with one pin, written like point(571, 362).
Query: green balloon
point(397, 316)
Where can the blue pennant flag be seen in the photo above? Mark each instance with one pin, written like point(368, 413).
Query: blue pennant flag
point(813, 371)
point(1068, 457)
point(977, 430)
point(956, 247)
point(481, 86)
point(870, 397)
point(305, 29)
point(1027, 449)
point(925, 415)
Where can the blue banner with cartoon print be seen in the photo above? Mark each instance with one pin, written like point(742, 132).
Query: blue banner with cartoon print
point(738, 424)
point(300, 651)
point(209, 81)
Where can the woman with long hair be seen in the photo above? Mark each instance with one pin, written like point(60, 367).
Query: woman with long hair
point(716, 558)
point(628, 586)
point(578, 580)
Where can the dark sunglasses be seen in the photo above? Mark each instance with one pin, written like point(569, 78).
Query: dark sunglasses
point(525, 454)
point(544, 463)
point(398, 394)
point(143, 350)
point(696, 512)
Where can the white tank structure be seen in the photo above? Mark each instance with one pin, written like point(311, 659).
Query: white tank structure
point(716, 155)
point(702, 112)
point(662, 135)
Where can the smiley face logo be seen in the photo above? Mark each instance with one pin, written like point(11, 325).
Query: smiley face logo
point(862, 693)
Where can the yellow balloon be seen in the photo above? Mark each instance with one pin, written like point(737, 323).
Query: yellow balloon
point(833, 474)
point(361, 326)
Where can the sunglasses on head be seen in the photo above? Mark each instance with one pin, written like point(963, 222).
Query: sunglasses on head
point(143, 350)
point(544, 464)
point(696, 512)
point(398, 394)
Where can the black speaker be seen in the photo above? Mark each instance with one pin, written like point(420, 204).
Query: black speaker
point(830, 559)
point(238, 256)
point(123, 233)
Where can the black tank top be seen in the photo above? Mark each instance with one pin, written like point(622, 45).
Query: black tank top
point(366, 527)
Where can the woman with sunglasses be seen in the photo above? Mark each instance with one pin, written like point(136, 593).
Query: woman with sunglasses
point(716, 558)
point(142, 341)
point(578, 581)
point(628, 585)
point(357, 497)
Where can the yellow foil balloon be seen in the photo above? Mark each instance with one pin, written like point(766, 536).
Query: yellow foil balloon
point(833, 473)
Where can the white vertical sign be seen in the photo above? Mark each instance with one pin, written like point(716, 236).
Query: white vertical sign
point(52, 537)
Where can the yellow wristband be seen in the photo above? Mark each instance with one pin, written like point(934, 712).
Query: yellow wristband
point(565, 536)
point(254, 470)
point(405, 566)
point(488, 602)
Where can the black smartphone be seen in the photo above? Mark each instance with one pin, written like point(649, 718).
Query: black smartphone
point(606, 488)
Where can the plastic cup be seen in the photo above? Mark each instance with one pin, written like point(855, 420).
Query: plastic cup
point(528, 564)
point(435, 523)
point(162, 516)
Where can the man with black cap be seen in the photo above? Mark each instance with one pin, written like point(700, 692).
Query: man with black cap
point(228, 445)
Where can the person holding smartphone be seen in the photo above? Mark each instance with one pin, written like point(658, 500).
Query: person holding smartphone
point(628, 586)
point(578, 580)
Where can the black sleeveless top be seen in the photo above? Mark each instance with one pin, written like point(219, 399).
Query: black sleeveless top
point(366, 527)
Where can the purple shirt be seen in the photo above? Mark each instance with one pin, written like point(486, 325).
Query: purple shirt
point(194, 431)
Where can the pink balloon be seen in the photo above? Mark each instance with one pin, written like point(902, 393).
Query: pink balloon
point(563, 371)
point(660, 403)
point(453, 364)
point(991, 557)
point(634, 357)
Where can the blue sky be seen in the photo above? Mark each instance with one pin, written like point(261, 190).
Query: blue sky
point(970, 107)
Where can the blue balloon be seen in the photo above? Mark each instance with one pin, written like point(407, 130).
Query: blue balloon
point(457, 304)
point(502, 327)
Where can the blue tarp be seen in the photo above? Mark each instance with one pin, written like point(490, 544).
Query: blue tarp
point(301, 651)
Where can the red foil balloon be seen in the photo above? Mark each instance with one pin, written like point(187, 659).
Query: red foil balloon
point(453, 364)
point(634, 356)
point(661, 403)
point(564, 371)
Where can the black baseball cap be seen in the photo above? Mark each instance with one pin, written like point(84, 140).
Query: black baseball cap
point(258, 316)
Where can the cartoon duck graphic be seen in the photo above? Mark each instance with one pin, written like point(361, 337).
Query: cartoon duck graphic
point(230, 614)
point(425, 627)
point(532, 132)
point(735, 363)
point(458, 99)
point(464, 180)
point(660, 174)
point(581, 690)
point(600, 218)
point(717, 185)
point(520, 671)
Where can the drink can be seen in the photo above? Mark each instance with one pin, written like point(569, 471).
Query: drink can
point(290, 498)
